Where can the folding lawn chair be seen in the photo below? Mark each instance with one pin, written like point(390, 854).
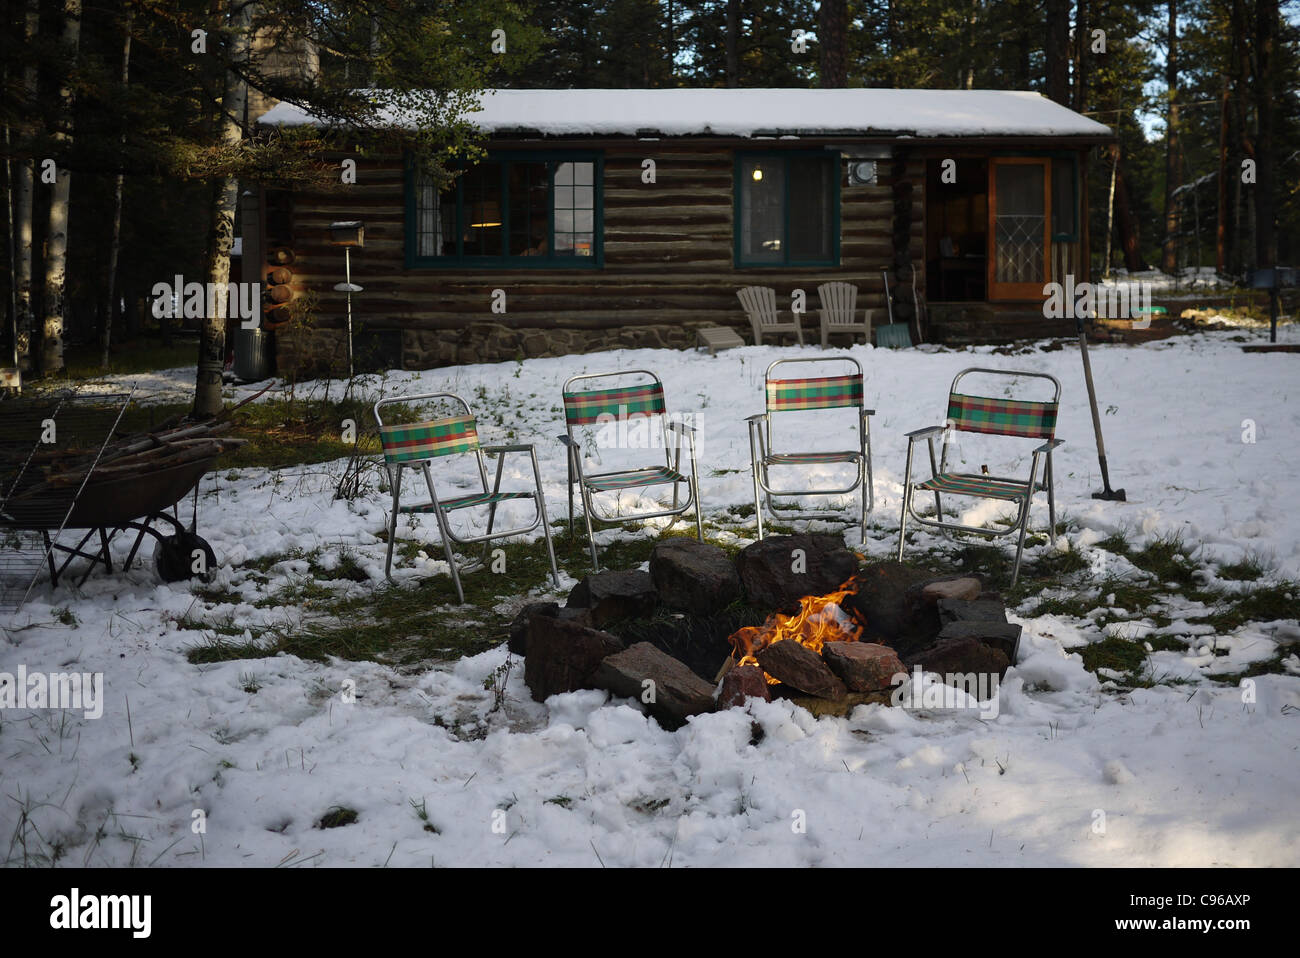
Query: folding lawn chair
point(611, 405)
point(838, 304)
point(417, 444)
point(999, 417)
point(760, 306)
point(793, 395)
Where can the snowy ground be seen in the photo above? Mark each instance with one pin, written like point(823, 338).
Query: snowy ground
point(1070, 772)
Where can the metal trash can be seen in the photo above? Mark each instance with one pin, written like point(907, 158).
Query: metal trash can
point(253, 358)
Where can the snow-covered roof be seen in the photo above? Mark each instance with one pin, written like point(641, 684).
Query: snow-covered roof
point(757, 112)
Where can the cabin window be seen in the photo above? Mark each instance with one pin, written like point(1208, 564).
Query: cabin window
point(787, 209)
point(512, 209)
point(1065, 199)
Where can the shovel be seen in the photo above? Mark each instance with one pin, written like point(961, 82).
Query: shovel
point(1114, 495)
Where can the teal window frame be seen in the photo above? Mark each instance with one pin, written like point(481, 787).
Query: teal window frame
point(831, 157)
point(550, 260)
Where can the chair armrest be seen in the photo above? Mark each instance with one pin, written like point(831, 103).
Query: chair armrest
point(925, 433)
point(868, 412)
point(758, 418)
point(686, 429)
point(1049, 446)
point(518, 447)
point(568, 441)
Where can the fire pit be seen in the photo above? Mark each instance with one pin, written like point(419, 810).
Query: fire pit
point(797, 617)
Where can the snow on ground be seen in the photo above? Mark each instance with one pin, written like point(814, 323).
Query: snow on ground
point(1068, 773)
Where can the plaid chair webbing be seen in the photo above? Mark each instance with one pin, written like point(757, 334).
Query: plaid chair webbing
point(828, 392)
point(596, 405)
point(412, 442)
point(1002, 417)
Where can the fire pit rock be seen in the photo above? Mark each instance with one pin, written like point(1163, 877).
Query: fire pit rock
point(780, 570)
point(960, 656)
point(611, 596)
point(670, 691)
point(799, 667)
point(863, 666)
point(741, 683)
point(521, 627)
point(693, 576)
point(563, 655)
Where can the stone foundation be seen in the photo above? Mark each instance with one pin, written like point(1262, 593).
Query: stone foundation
point(307, 353)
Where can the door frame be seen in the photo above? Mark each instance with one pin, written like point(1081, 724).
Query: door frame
point(1018, 291)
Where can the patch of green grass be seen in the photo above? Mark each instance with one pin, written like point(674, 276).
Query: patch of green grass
point(1169, 560)
point(135, 356)
point(1249, 569)
point(218, 649)
point(562, 800)
point(64, 616)
point(1119, 655)
point(337, 817)
point(249, 683)
point(1262, 604)
point(422, 813)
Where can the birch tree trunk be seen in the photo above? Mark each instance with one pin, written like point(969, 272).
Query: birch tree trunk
point(24, 319)
point(221, 237)
point(116, 243)
point(56, 244)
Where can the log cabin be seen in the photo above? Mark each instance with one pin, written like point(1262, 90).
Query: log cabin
point(625, 218)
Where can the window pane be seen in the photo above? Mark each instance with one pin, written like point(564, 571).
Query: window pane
point(761, 196)
point(527, 209)
point(1063, 199)
point(583, 173)
point(483, 217)
point(810, 209)
point(435, 219)
point(564, 174)
point(1019, 223)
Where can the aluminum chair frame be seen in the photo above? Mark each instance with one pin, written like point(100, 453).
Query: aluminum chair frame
point(762, 455)
point(759, 303)
point(1026, 488)
point(441, 508)
point(839, 303)
point(588, 483)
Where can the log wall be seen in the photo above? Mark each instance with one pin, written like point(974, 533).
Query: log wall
point(668, 264)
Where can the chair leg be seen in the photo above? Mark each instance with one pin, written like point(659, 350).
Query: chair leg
point(758, 505)
point(902, 519)
point(1020, 543)
point(1051, 502)
point(450, 554)
point(540, 503)
point(392, 522)
point(695, 493)
point(591, 536)
point(570, 462)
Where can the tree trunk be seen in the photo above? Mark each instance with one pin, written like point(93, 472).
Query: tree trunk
point(221, 237)
point(1266, 33)
point(832, 39)
point(1243, 239)
point(25, 319)
point(731, 41)
point(1057, 57)
point(56, 244)
point(1221, 221)
point(1081, 42)
point(1128, 230)
point(116, 243)
point(1173, 166)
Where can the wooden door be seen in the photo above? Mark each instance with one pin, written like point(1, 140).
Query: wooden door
point(1020, 217)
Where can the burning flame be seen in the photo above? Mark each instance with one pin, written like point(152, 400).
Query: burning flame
point(818, 621)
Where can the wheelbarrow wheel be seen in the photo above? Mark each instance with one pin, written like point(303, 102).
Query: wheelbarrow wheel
point(184, 556)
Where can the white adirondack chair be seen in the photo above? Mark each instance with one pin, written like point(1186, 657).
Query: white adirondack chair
point(760, 305)
point(838, 304)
